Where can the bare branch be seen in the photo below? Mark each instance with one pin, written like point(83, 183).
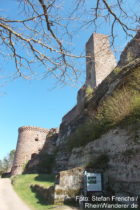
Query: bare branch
point(124, 26)
point(40, 36)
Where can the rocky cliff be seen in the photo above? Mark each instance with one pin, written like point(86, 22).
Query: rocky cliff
point(102, 132)
point(105, 133)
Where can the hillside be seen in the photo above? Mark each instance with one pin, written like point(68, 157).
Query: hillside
point(101, 133)
point(105, 134)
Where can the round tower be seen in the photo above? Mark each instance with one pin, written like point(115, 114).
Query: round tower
point(30, 141)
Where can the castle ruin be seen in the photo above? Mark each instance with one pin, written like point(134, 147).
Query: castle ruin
point(115, 152)
point(30, 141)
point(100, 61)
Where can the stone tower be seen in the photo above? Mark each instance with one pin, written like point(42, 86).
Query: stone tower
point(100, 59)
point(30, 141)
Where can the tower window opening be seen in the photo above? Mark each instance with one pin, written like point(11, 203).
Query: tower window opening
point(36, 139)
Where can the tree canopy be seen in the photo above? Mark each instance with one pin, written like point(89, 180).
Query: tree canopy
point(39, 35)
point(6, 163)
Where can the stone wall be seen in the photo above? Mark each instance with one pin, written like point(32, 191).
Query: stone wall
point(42, 162)
point(122, 147)
point(70, 183)
point(115, 154)
point(131, 51)
point(100, 61)
point(30, 141)
point(114, 81)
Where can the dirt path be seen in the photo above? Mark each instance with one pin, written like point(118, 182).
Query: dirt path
point(8, 198)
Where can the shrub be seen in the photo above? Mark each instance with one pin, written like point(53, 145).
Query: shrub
point(118, 106)
point(87, 132)
point(88, 92)
point(117, 70)
point(100, 163)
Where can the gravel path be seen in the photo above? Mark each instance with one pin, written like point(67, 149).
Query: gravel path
point(8, 197)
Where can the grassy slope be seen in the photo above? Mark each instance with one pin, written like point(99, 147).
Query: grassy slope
point(22, 185)
point(121, 108)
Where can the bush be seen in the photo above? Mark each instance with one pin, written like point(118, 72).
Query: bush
point(86, 133)
point(118, 106)
point(88, 92)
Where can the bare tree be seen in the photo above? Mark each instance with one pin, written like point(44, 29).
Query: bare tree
point(36, 40)
point(39, 37)
point(117, 15)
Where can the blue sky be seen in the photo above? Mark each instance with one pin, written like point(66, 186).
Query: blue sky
point(37, 103)
point(31, 103)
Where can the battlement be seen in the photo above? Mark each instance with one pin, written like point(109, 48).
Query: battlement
point(33, 128)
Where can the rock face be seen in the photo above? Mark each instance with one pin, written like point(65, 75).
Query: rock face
point(113, 81)
point(131, 51)
point(69, 185)
point(123, 150)
point(106, 125)
point(100, 62)
point(120, 144)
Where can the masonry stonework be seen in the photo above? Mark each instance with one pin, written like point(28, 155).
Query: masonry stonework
point(30, 141)
point(120, 146)
point(100, 59)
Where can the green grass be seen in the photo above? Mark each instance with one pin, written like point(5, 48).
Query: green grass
point(22, 183)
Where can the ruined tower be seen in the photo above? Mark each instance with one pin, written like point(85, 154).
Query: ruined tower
point(100, 59)
point(30, 141)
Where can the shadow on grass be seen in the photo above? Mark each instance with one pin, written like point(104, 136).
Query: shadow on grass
point(39, 198)
point(45, 178)
point(43, 195)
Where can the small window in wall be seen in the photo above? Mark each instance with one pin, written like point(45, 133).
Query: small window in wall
point(36, 139)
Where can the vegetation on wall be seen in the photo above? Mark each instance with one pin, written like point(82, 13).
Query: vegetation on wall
point(89, 93)
point(100, 162)
point(121, 108)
